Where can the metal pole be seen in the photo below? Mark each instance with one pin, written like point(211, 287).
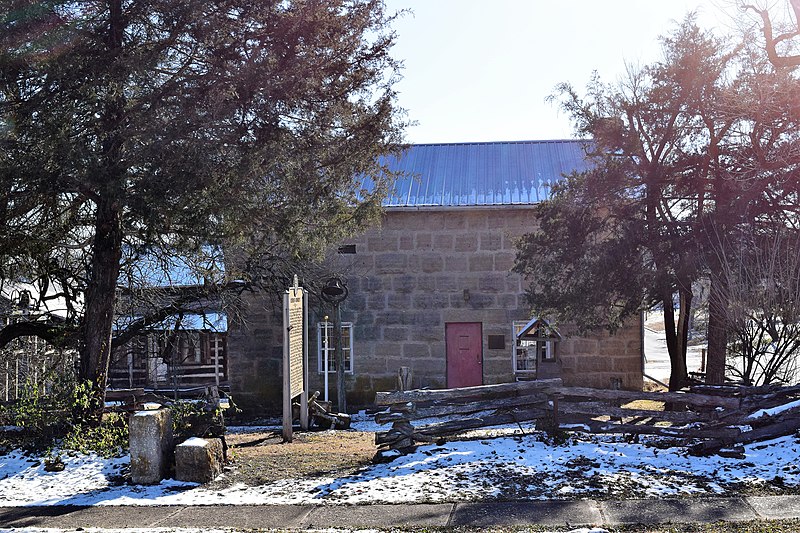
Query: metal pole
point(216, 359)
point(325, 355)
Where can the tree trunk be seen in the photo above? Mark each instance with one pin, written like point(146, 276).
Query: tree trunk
point(100, 297)
point(676, 349)
point(717, 331)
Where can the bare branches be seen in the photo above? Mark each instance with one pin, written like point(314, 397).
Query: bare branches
point(771, 41)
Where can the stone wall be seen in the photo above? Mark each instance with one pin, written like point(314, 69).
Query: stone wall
point(419, 271)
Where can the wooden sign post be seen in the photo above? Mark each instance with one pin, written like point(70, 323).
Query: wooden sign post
point(295, 356)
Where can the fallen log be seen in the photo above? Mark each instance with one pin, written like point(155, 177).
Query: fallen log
point(696, 400)
point(596, 426)
point(600, 409)
point(454, 427)
point(409, 411)
point(464, 393)
point(780, 428)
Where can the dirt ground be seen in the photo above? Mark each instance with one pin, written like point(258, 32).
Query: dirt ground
point(262, 457)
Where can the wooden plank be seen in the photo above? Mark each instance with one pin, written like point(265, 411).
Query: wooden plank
point(697, 400)
point(464, 393)
point(411, 412)
point(452, 427)
point(601, 409)
point(675, 432)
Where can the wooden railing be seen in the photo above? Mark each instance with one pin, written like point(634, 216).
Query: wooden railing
point(716, 418)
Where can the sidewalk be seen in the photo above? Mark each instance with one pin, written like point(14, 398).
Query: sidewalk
point(546, 513)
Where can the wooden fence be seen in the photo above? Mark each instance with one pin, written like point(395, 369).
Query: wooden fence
point(711, 417)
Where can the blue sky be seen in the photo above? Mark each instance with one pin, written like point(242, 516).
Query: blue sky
point(480, 70)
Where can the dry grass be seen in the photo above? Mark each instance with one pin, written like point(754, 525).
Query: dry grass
point(259, 458)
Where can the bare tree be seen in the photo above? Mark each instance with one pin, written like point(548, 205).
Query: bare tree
point(780, 32)
point(762, 305)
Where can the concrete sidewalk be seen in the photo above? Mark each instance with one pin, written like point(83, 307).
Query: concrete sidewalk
point(546, 513)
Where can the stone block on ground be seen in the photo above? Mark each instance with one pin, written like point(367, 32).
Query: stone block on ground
point(198, 460)
point(150, 446)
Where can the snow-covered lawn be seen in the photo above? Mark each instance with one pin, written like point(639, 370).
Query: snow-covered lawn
point(508, 467)
point(656, 356)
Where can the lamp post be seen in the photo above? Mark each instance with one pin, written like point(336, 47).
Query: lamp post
point(335, 292)
point(325, 361)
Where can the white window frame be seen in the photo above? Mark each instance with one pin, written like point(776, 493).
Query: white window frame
point(346, 327)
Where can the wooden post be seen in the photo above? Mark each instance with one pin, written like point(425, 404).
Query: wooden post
point(287, 395)
point(304, 394)
point(555, 411)
point(703, 360)
point(404, 378)
point(341, 398)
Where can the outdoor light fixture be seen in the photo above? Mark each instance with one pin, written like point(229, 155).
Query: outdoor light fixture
point(335, 292)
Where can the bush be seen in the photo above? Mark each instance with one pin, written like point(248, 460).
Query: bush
point(59, 418)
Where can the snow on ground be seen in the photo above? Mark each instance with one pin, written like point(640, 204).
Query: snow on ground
point(226, 530)
point(511, 467)
point(655, 350)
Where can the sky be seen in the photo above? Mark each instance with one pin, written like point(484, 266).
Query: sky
point(478, 70)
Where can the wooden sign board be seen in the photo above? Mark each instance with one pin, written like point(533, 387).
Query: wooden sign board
point(295, 356)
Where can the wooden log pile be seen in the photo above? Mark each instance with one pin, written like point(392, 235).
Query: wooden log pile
point(717, 417)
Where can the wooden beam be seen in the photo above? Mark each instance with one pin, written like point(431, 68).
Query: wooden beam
point(463, 393)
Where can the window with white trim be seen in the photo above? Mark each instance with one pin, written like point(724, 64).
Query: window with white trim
point(325, 344)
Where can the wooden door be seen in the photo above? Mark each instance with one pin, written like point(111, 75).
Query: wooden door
point(464, 354)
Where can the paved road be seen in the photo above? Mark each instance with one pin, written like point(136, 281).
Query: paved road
point(546, 513)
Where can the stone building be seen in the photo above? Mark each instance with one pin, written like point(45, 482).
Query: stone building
point(432, 289)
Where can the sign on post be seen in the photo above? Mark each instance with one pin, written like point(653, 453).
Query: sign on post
point(295, 356)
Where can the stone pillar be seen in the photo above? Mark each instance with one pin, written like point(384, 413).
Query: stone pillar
point(151, 446)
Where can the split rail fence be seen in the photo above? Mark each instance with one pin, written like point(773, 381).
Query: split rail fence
point(708, 418)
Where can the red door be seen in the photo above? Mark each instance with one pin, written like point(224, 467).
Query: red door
point(464, 354)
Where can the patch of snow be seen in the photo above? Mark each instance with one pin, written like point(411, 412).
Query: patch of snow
point(195, 441)
point(508, 467)
point(774, 410)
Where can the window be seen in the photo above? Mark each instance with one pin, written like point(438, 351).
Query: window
point(325, 343)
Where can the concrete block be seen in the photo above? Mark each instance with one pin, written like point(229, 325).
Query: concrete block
point(151, 446)
point(198, 460)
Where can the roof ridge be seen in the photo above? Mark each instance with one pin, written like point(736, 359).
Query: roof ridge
point(530, 141)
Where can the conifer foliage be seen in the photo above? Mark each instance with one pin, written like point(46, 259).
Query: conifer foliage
point(150, 128)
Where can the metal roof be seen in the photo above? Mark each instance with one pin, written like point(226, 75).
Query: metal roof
point(482, 174)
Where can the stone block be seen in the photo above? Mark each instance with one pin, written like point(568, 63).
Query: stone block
point(416, 350)
point(385, 242)
point(405, 242)
point(456, 263)
point(492, 283)
point(398, 301)
point(453, 221)
point(504, 261)
point(467, 242)
point(443, 241)
point(477, 220)
point(198, 460)
point(391, 263)
point(481, 263)
point(424, 241)
point(431, 263)
point(150, 446)
point(394, 333)
point(491, 241)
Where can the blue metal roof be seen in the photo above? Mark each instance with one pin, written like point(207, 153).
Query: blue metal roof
point(480, 174)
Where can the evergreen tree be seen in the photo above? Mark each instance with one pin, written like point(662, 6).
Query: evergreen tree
point(157, 128)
